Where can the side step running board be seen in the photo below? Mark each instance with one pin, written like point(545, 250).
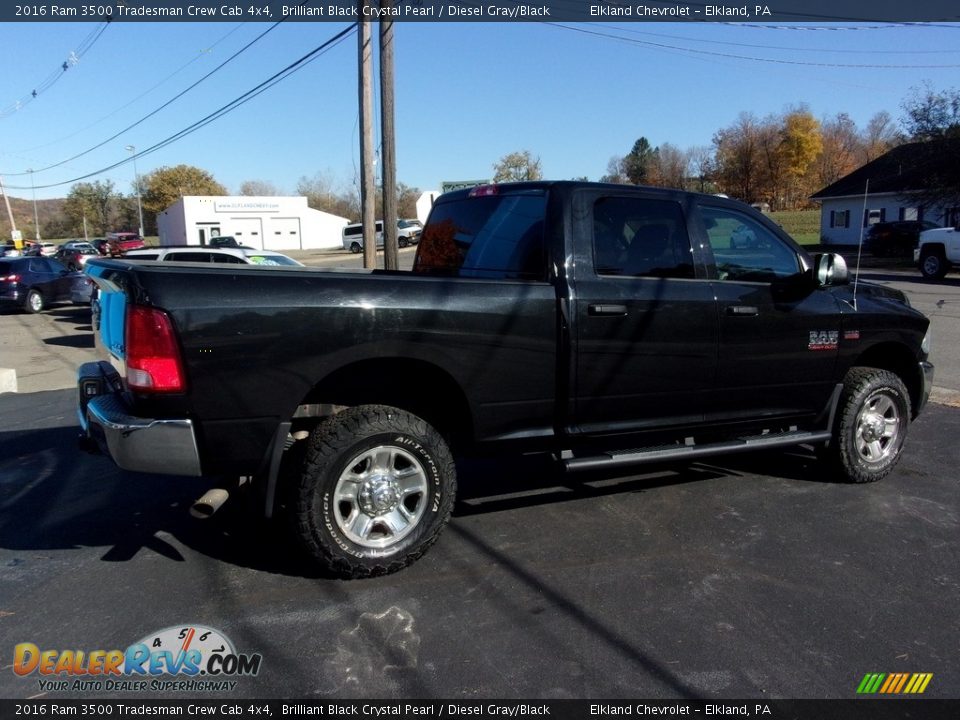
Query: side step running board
point(677, 452)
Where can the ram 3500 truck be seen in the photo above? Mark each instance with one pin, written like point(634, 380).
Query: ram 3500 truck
point(609, 325)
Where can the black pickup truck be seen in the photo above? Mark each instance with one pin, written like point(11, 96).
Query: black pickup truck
point(610, 325)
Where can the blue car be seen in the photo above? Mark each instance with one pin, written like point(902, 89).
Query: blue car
point(34, 283)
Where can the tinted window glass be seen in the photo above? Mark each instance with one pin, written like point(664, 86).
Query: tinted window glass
point(744, 250)
point(496, 236)
point(641, 238)
point(142, 256)
point(47, 265)
point(233, 259)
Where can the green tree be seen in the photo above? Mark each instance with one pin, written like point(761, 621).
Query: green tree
point(166, 185)
point(97, 202)
point(517, 167)
point(637, 164)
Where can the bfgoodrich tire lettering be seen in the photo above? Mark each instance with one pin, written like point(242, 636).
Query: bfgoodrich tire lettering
point(378, 486)
point(873, 418)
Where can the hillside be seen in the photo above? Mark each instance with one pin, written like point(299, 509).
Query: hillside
point(50, 213)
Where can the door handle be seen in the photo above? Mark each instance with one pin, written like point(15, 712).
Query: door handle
point(743, 310)
point(607, 310)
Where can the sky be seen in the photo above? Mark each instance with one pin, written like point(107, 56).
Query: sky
point(466, 94)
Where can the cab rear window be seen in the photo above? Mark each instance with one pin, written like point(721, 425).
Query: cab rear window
point(493, 236)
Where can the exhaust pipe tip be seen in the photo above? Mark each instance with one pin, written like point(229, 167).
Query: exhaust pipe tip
point(209, 503)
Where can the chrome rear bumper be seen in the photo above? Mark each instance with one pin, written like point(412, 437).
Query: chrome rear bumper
point(167, 447)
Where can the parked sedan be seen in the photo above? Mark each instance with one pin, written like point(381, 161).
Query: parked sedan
point(34, 283)
point(76, 255)
point(43, 248)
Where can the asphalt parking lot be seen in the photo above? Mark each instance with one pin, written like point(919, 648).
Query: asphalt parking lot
point(754, 577)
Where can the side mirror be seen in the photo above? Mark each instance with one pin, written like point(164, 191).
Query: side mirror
point(830, 269)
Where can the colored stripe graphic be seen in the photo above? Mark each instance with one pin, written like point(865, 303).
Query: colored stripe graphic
point(894, 683)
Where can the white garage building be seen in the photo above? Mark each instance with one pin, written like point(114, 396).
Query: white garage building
point(266, 223)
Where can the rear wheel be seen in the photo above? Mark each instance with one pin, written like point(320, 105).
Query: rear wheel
point(355, 248)
point(378, 486)
point(871, 427)
point(35, 302)
point(933, 264)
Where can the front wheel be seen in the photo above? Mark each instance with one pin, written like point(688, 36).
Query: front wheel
point(873, 418)
point(933, 265)
point(355, 248)
point(378, 486)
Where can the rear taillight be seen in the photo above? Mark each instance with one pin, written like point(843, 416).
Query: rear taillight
point(152, 355)
point(10, 278)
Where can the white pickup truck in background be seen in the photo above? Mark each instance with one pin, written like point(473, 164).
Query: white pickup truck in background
point(936, 251)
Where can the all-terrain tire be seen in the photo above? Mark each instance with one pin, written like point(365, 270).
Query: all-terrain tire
point(871, 425)
point(377, 487)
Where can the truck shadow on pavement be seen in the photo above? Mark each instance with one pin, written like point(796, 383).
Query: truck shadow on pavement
point(490, 485)
point(52, 497)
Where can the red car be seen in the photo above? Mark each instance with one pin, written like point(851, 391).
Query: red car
point(119, 242)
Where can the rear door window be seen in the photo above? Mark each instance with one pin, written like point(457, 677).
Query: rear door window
point(641, 237)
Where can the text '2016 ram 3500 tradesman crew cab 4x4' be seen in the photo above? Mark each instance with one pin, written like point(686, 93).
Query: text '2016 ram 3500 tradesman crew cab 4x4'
point(610, 325)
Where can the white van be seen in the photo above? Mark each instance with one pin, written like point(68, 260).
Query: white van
point(353, 236)
point(408, 233)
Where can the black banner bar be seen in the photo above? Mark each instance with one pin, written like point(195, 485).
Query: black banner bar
point(764, 11)
point(865, 709)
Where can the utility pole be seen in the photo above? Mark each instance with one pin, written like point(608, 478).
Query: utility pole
point(136, 179)
point(388, 153)
point(367, 181)
point(6, 199)
point(36, 216)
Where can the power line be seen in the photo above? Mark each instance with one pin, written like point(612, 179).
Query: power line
point(775, 47)
point(146, 92)
point(72, 59)
point(155, 111)
point(216, 114)
point(778, 61)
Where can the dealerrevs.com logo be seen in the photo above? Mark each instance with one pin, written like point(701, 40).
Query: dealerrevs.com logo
point(186, 658)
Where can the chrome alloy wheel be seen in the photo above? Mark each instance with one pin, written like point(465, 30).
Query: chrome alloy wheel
point(878, 428)
point(380, 497)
